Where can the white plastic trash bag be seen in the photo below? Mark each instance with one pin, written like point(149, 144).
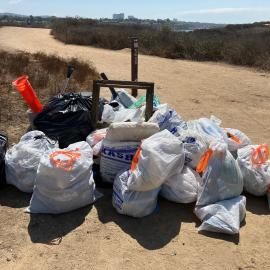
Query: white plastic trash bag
point(159, 158)
point(182, 187)
point(222, 178)
point(194, 146)
point(208, 128)
point(236, 139)
point(96, 136)
point(95, 140)
point(222, 217)
point(109, 115)
point(116, 157)
point(124, 98)
point(132, 203)
point(131, 131)
point(64, 180)
point(22, 159)
point(255, 166)
point(167, 118)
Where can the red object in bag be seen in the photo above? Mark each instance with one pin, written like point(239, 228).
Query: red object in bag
point(24, 87)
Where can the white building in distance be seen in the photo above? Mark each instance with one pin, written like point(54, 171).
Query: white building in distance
point(119, 17)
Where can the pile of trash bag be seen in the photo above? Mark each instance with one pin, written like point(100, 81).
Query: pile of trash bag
point(196, 161)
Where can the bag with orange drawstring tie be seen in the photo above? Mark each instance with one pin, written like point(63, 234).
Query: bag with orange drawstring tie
point(221, 175)
point(236, 140)
point(64, 180)
point(255, 166)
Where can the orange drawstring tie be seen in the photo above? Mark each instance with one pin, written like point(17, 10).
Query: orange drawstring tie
point(135, 160)
point(66, 165)
point(260, 155)
point(204, 161)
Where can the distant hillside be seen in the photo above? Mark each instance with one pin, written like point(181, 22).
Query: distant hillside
point(246, 45)
point(11, 15)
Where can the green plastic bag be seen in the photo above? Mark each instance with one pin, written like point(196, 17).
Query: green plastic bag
point(142, 100)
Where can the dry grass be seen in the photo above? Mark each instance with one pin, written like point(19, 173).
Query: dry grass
point(46, 74)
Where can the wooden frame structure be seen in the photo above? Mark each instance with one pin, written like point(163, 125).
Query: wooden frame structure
point(98, 84)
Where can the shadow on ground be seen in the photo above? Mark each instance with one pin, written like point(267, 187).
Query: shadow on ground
point(257, 205)
point(12, 197)
point(151, 232)
point(49, 229)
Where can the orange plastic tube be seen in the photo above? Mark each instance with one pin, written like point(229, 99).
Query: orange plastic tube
point(25, 89)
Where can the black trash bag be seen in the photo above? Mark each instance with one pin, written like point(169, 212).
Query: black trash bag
point(67, 118)
point(3, 149)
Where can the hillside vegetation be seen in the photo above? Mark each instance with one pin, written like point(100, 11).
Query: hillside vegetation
point(246, 45)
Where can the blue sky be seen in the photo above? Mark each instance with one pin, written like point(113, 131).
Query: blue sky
point(220, 11)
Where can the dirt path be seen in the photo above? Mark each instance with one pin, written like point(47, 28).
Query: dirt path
point(98, 238)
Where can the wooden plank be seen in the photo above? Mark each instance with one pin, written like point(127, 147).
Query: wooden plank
point(126, 84)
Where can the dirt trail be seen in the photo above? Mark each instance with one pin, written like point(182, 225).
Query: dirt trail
point(96, 237)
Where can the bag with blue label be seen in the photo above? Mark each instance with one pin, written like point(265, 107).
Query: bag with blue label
point(116, 157)
point(120, 145)
point(194, 146)
point(209, 128)
point(167, 118)
point(132, 203)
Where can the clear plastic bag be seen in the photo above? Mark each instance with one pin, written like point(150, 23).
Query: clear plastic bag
point(64, 180)
point(181, 187)
point(194, 145)
point(256, 176)
point(222, 178)
point(236, 139)
point(22, 160)
point(222, 217)
point(209, 128)
point(158, 158)
point(168, 119)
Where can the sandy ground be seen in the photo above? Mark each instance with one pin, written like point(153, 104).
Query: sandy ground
point(96, 237)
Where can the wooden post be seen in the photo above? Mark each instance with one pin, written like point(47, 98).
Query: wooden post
point(95, 104)
point(134, 63)
point(149, 102)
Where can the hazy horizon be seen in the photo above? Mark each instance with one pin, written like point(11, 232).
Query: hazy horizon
point(229, 11)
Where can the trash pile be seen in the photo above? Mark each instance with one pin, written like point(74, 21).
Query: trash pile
point(195, 161)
